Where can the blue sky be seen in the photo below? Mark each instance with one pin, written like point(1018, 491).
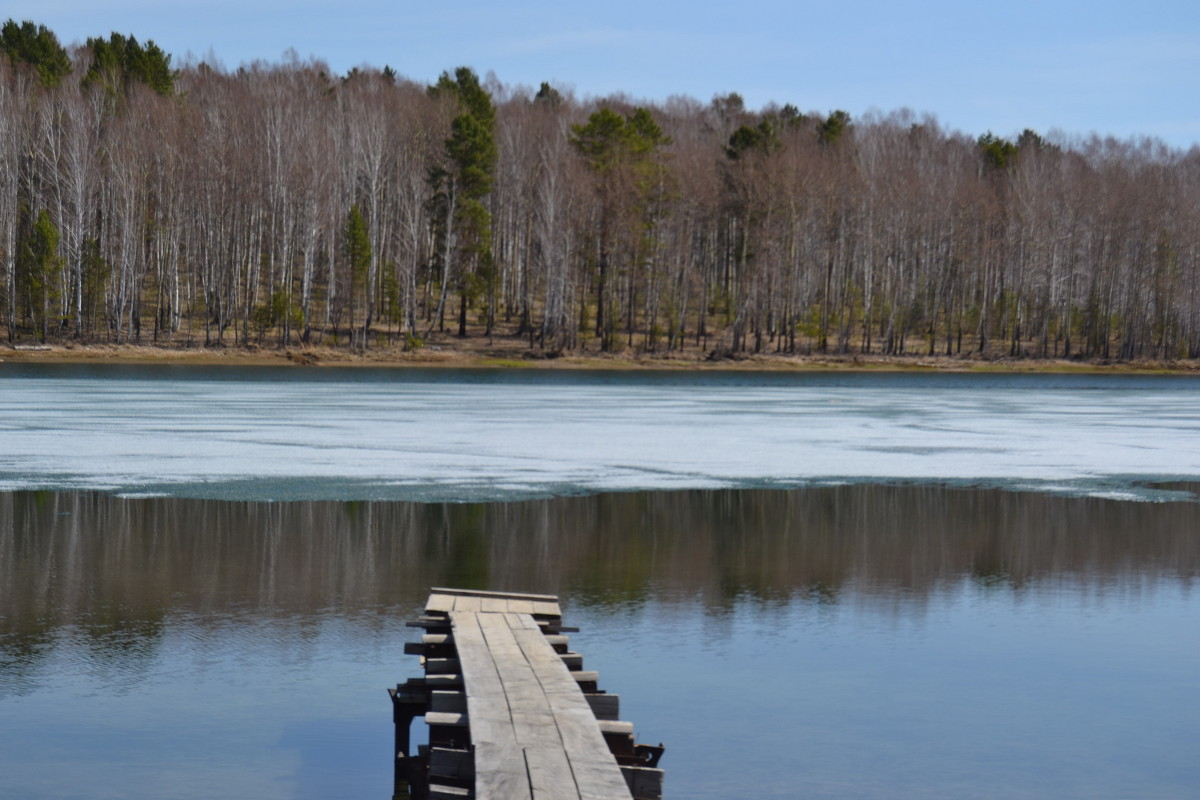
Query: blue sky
point(1123, 69)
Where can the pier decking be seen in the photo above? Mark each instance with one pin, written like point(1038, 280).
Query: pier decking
point(511, 712)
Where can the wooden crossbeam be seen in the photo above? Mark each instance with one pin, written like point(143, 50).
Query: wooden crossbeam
point(443, 601)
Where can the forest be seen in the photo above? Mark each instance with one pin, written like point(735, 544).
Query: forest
point(280, 205)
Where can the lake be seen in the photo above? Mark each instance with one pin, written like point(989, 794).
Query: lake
point(837, 585)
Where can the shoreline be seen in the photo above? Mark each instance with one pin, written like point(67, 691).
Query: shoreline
point(479, 354)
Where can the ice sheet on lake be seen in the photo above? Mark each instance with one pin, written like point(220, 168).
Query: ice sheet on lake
point(271, 439)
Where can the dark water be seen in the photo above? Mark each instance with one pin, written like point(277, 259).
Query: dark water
point(855, 641)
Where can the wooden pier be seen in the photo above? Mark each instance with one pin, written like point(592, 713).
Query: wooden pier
point(512, 714)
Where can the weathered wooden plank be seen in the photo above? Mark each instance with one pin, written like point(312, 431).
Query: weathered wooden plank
point(546, 608)
point(516, 606)
point(455, 719)
point(594, 765)
point(440, 603)
point(548, 766)
point(533, 722)
point(470, 603)
point(500, 773)
point(595, 771)
point(493, 604)
point(485, 693)
point(550, 775)
point(560, 644)
point(535, 736)
point(488, 593)
point(499, 762)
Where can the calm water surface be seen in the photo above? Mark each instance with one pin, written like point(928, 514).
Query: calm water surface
point(907, 639)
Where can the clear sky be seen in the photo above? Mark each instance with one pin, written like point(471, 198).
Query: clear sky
point(1115, 68)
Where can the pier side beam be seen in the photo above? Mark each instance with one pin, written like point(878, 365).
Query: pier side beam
point(409, 701)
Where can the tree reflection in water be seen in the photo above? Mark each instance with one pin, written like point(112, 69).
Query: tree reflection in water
point(117, 567)
point(881, 633)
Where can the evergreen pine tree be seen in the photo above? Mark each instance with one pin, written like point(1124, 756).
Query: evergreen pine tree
point(37, 46)
point(356, 244)
point(39, 270)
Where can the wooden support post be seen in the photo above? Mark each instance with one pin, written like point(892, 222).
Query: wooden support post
point(409, 701)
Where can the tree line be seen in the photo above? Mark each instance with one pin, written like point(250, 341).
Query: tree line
point(280, 203)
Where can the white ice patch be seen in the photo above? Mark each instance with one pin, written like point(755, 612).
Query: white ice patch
point(468, 439)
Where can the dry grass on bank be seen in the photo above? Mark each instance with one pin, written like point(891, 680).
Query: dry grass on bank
point(507, 352)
